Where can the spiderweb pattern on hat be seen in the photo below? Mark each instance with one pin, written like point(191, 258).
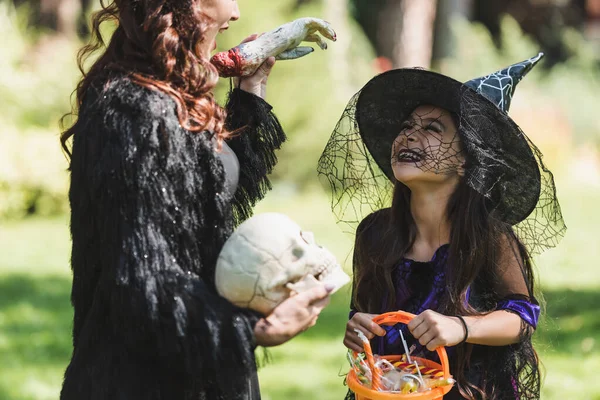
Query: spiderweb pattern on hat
point(500, 160)
point(495, 167)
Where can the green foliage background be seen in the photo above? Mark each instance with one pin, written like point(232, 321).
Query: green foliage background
point(38, 74)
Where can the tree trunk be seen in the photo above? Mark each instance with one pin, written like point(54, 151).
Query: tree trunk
point(336, 12)
point(414, 33)
point(448, 10)
point(57, 17)
point(387, 24)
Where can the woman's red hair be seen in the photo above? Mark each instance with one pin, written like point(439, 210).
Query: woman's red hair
point(157, 43)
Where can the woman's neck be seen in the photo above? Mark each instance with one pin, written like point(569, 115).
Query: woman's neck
point(428, 207)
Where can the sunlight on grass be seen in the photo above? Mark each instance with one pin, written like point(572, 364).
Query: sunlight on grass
point(575, 376)
point(36, 246)
point(572, 263)
point(313, 364)
point(36, 315)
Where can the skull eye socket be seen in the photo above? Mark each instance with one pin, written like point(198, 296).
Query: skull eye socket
point(298, 252)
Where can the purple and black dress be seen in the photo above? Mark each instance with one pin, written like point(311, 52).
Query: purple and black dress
point(421, 286)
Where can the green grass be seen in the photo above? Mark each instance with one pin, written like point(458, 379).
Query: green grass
point(35, 313)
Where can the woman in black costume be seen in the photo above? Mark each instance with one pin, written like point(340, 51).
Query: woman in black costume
point(160, 176)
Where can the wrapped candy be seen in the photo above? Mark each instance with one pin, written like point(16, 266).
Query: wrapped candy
point(375, 371)
point(396, 377)
point(404, 376)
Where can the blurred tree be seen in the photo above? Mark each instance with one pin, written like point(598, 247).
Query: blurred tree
point(541, 19)
point(401, 31)
point(445, 43)
point(63, 17)
point(413, 45)
point(592, 23)
point(336, 13)
point(383, 21)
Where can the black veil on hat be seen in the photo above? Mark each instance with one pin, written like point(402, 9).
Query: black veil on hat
point(502, 164)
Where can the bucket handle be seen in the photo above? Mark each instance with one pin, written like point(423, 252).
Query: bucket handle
point(403, 317)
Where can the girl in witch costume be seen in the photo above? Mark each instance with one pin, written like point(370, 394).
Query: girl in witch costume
point(458, 200)
point(158, 182)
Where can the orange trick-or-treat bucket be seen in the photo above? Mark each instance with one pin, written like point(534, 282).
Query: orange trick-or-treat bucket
point(370, 392)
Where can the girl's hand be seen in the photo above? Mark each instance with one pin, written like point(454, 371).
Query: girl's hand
point(293, 316)
point(257, 82)
point(433, 330)
point(364, 323)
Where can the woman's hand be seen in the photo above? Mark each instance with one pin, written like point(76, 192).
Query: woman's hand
point(295, 315)
point(433, 330)
point(257, 82)
point(364, 323)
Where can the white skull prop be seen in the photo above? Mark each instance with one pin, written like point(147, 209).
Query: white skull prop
point(268, 258)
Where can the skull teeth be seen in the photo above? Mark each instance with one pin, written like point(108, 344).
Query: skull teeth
point(322, 272)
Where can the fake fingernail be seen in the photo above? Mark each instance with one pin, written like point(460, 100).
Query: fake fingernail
point(329, 287)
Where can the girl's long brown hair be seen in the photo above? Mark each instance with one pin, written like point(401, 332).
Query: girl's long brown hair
point(476, 243)
point(157, 43)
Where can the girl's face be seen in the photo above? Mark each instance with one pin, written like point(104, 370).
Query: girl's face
point(427, 149)
point(218, 14)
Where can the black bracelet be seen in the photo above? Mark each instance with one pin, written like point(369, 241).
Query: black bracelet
point(466, 329)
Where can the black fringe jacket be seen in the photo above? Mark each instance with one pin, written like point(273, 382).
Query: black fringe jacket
point(148, 220)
